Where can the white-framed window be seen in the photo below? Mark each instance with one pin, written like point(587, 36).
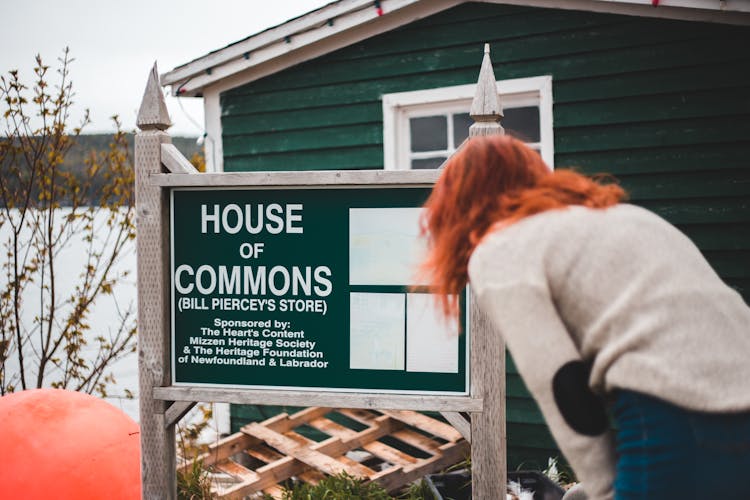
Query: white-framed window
point(422, 128)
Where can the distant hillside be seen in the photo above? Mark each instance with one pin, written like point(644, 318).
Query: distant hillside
point(74, 160)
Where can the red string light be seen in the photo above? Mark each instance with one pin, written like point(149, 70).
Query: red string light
point(378, 8)
point(655, 3)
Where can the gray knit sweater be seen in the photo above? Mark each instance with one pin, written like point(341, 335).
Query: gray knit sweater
point(627, 293)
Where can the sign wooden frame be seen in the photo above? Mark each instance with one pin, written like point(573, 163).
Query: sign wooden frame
point(160, 167)
point(309, 397)
point(327, 209)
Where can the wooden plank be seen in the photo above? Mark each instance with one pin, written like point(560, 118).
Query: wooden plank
point(389, 454)
point(158, 465)
point(264, 453)
point(393, 478)
point(376, 448)
point(176, 411)
point(360, 415)
point(286, 423)
point(279, 469)
point(312, 476)
point(332, 428)
point(417, 440)
point(462, 425)
point(350, 462)
point(323, 179)
point(175, 161)
point(291, 454)
point(380, 428)
point(377, 427)
point(233, 468)
point(298, 438)
point(274, 491)
point(383, 426)
point(267, 477)
point(425, 423)
point(306, 455)
point(489, 441)
point(449, 454)
point(224, 448)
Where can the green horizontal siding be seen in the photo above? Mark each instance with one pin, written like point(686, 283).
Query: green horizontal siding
point(697, 184)
point(674, 160)
point(651, 134)
point(330, 116)
point(662, 105)
point(730, 101)
point(361, 157)
point(706, 75)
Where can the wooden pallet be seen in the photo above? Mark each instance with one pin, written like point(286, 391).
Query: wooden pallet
point(392, 448)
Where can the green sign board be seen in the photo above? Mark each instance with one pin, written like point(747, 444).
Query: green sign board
point(307, 289)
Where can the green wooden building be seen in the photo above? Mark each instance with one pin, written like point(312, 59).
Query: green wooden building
point(655, 93)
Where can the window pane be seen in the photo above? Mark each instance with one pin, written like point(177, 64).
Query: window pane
point(461, 124)
point(427, 163)
point(522, 123)
point(429, 133)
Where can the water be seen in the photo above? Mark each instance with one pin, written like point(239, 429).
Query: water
point(104, 317)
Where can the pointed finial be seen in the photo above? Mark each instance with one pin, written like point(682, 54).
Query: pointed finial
point(486, 110)
point(153, 112)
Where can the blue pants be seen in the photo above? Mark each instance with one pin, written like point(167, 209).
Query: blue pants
point(666, 452)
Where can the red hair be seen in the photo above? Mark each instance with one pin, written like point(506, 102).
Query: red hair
point(491, 180)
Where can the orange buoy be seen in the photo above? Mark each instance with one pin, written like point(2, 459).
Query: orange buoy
point(67, 445)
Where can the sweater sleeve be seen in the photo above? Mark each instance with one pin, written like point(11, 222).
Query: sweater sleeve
point(551, 366)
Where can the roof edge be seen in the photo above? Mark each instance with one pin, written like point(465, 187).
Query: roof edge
point(349, 21)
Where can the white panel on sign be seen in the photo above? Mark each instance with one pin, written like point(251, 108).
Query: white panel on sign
point(431, 340)
point(377, 340)
point(384, 246)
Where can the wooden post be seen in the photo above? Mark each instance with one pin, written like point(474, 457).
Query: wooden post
point(157, 436)
point(488, 443)
point(486, 110)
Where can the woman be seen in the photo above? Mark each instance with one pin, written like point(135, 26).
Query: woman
point(600, 303)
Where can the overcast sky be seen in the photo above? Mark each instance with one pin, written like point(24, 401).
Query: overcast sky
point(115, 43)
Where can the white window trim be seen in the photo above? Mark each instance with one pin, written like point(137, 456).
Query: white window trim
point(213, 145)
point(521, 91)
